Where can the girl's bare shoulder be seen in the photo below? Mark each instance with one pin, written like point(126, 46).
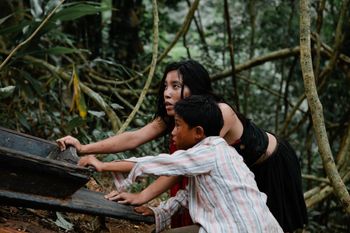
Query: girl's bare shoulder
point(226, 109)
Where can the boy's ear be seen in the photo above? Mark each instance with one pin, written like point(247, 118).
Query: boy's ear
point(199, 132)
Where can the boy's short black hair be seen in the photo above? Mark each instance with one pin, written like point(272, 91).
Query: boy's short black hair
point(201, 110)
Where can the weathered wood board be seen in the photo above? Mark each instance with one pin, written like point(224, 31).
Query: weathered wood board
point(82, 201)
point(36, 166)
point(35, 174)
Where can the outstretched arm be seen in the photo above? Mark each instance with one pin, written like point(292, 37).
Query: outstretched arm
point(162, 184)
point(121, 142)
point(115, 166)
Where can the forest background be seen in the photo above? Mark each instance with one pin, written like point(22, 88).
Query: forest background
point(92, 69)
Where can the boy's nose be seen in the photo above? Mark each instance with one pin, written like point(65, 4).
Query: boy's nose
point(173, 132)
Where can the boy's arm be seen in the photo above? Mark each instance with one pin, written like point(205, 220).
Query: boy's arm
point(166, 209)
point(159, 186)
point(189, 162)
point(115, 166)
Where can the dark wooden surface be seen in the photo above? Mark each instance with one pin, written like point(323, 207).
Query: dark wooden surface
point(25, 143)
point(32, 165)
point(82, 201)
point(22, 172)
point(35, 174)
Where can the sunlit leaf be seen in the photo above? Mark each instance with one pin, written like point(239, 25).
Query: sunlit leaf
point(98, 114)
point(6, 91)
point(116, 106)
point(78, 96)
point(2, 20)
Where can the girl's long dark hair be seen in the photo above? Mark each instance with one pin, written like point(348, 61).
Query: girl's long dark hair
point(195, 77)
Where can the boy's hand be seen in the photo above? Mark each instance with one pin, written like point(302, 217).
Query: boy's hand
point(91, 160)
point(125, 198)
point(144, 210)
point(69, 141)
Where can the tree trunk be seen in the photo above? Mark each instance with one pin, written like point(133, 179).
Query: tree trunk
point(124, 32)
point(316, 108)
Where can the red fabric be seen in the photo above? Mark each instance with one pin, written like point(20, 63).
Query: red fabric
point(236, 142)
point(181, 218)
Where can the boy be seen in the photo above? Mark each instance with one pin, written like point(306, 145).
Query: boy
point(222, 195)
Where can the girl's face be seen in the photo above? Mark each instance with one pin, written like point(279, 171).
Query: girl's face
point(172, 91)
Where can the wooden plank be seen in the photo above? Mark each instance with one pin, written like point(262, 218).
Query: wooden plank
point(25, 143)
point(22, 172)
point(82, 201)
point(36, 166)
point(35, 174)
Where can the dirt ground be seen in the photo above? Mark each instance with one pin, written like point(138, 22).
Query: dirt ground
point(14, 219)
point(18, 219)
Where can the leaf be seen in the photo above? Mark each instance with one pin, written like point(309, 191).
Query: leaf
point(76, 11)
point(2, 20)
point(61, 222)
point(22, 119)
point(75, 123)
point(59, 50)
point(6, 91)
point(116, 106)
point(97, 114)
point(16, 28)
point(36, 85)
point(78, 96)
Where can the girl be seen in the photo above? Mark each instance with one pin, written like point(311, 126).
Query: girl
point(272, 160)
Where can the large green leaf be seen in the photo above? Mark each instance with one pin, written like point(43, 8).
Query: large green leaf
point(77, 10)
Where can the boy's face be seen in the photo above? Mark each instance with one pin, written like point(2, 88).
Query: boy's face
point(185, 137)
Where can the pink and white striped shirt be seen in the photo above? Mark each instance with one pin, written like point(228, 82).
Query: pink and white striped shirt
point(222, 195)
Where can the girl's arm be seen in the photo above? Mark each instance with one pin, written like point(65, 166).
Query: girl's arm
point(233, 128)
point(121, 142)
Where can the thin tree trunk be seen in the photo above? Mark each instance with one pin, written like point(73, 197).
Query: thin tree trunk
point(232, 58)
point(316, 108)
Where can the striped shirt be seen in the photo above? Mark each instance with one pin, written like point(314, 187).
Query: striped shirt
point(222, 195)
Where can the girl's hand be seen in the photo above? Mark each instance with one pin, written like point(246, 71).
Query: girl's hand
point(91, 160)
point(69, 141)
point(144, 210)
